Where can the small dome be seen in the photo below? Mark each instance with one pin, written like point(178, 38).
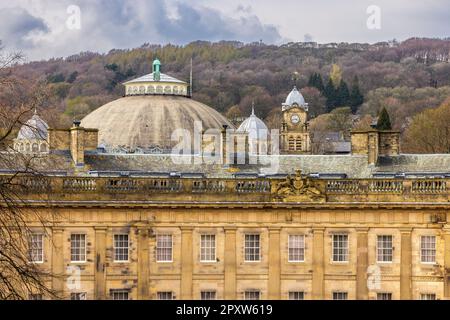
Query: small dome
point(255, 127)
point(295, 98)
point(34, 129)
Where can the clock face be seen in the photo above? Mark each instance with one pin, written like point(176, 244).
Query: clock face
point(295, 119)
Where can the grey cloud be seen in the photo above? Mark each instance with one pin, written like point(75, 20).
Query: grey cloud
point(202, 23)
point(17, 25)
point(130, 23)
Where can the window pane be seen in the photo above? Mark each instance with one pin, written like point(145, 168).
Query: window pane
point(384, 249)
point(78, 247)
point(165, 295)
point(428, 249)
point(384, 296)
point(340, 248)
point(208, 248)
point(164, 248)
point(36, 248)
point(78, 296)
point(296, 295)
point(296, 248)
point(340, 296)
point(252, 295)
point(121, 247)
point(119, 294)
point(208, 295)
point(252, 247)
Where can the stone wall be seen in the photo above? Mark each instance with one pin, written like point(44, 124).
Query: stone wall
point(317, 276)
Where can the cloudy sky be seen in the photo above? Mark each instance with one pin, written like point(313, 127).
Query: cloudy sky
point(47, 28)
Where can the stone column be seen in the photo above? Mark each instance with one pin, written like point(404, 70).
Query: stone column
point(447, 263)
point(318, 280)
point(143, 264)
point(100, 263)
point(274, 264)
point(406, 264)
point(58, 278)
point(362, 263)
point(186, 263)
point(230, 264)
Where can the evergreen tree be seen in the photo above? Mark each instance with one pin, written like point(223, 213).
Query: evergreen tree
point(343, 95)
point(316, 81)
point(356, 97)
point(330, 94)
point(384, 121)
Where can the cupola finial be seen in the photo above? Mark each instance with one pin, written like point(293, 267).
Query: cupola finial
point(156, 69)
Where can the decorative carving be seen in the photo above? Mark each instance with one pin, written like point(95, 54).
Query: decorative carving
point(298, 189)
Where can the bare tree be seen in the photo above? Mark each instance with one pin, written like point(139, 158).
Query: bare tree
point(19, 277)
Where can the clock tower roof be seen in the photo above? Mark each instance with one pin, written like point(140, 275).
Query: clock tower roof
point(295, 99)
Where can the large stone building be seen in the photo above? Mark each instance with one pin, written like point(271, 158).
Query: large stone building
point(126, 220)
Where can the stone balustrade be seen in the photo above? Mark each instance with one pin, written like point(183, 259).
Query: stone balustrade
point(334, 188)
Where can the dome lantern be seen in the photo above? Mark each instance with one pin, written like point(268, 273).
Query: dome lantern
point(156, 83)
point(156, 70)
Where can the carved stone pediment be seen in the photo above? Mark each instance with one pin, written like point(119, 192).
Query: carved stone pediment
point(298, 189)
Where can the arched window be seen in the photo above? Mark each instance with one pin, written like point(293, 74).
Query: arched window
point(159, 89)
point(298, 144)
point(291, 144)
point(44, 147)
point(151, 89)
point(135, 90)
point(175, 90)
point(35, 148)
point(21, 147)
point(141, 90)
point(129, 90)
point(27, 147)
point(167, 90)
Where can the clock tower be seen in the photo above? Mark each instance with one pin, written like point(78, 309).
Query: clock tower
point(294, 135)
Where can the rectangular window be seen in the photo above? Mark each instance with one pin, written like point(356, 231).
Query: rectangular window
point(121, 248)
point(428, 249)
point(78, 296)
point(208, 295)
point(120, 295)
point(252, 247)
point(384, 296)
point(340, 296)
point(165, 295)
point(78, 248)
point(252, 295)
point(36, 248)
point(428, 296)
point(35, 297)
point(340, 248)
point(296, 295)
point(164, 248)
point(296, 248)
point(208, 248)
point(384, 249)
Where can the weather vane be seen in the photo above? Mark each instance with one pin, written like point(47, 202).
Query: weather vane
point(295, 77)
